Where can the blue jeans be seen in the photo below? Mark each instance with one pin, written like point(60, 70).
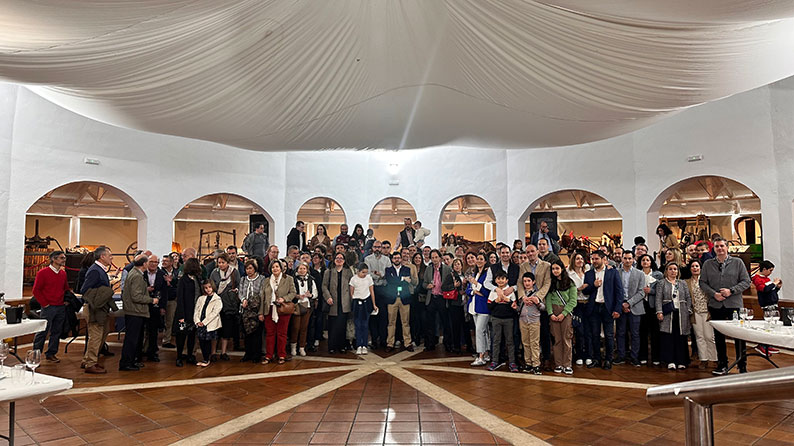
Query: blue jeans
point(601, 316)
point(631, 322)
point(55, 316)
point(361, 313)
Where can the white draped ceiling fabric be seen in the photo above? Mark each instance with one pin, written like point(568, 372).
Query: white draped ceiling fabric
point(314, 74)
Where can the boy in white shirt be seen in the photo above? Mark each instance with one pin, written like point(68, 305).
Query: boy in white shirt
point(500, 305)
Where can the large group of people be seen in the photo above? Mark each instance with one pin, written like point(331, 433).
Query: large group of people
point(521, 306)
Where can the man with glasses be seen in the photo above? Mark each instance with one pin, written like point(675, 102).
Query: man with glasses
point(377, 262)
point(48, 289)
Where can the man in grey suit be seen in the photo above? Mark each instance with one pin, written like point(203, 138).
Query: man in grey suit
point(633, 308)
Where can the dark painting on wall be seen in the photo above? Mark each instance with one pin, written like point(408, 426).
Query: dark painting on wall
point(536, 218)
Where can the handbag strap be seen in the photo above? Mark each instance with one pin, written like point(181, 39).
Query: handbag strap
point(564, 303)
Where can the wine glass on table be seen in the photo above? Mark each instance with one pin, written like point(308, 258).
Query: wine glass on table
point(33, 360)
point(743, 314)
point(775, 318)
point(3, 356)
point(767, 318)
point(749, 314)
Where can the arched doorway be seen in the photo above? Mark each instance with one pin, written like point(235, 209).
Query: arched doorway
point(322, 211)
point(77, 217)
point(700, 207)
point(387, 218)
point(468, 216)
point(216, 221)
point(580, 218)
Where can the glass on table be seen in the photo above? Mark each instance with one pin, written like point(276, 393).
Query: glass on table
point(775, 317)
point(33, 360)
point(18, 372)
point(3, 356)
point(749, 314)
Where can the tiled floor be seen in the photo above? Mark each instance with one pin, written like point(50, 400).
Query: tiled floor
point(378, 408)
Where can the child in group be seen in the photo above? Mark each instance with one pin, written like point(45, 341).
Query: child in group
point(419, 234)
point(362, 289)
point(208, 320)
point(529, 309)
point(500, 306)
point(767, 289)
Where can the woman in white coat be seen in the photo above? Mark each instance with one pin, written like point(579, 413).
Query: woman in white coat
point(208, 320)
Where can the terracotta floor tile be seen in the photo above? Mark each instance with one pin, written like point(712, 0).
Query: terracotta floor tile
point(371, 416)
point(476, 438)
point(439, 437)
point(402, 438)
point(366, 426)
point(365, 438)
point(293, 438)
point(329, 438)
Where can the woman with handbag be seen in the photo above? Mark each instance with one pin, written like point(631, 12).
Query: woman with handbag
point(478, 289)
point(649, 324)
point(673, 307)
point(455, 309)
point(227, 280)
point(187, 292)
point(336, 291)
point(207, 315)
point(251, 290)
point(560, 302)
point(704, 333)
point(579, 321)
point(306, 290)
point(277, 308)
point(418, 306)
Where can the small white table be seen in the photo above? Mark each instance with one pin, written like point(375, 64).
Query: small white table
point(26, 327)
point(753, 331)
point(12, 390)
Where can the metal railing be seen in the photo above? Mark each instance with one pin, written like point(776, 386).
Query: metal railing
point(699, 396)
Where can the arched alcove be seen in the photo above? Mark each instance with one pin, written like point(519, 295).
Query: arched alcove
point(76, 217)
point(215, 221)
point(575, 214)
point(469, 216)
point(321, 211)
point(387, 218)
point(697, 207)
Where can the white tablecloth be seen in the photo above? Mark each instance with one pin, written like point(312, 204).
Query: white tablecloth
point(753, 332)
point(27, 326)
point(46, 385)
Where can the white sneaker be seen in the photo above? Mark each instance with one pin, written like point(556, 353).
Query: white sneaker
point(588, 362)
point(487, 358)
point(478, 362)
point(316, 343)
point(302, 351)
point(293, 349)
point(579, 362)
point(364, 350)
point(358, 351)
point(671, 366)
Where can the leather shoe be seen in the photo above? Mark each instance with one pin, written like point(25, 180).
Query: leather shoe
point(107, 353)
point(410, 348)
point(140, 365)
point(607, 365)
point(52, 358)
point(128, 368)
point(154, 358)
point(179, 363)
point(389, 349)
point(94, 370)
point(593, 364)
point(169, 345)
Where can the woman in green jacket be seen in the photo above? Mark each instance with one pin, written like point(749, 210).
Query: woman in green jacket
point(560, 302)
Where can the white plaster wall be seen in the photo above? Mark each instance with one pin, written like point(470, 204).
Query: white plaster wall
point(747, 138)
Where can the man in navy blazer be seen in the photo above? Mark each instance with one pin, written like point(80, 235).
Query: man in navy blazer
point(605, 303)
point(398, 300)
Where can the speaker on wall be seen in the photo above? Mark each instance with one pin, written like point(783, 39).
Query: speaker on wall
point(255, 220)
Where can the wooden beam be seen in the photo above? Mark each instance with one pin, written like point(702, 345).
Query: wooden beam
point(100, 192)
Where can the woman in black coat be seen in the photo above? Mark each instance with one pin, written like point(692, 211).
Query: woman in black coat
point(187, 292)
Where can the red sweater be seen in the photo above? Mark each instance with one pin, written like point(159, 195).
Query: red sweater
point(49, 287)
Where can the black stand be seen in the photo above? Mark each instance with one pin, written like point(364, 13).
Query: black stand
point(11, 419)
point(742, 355)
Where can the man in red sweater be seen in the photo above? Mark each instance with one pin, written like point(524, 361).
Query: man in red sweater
point(48, 289)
